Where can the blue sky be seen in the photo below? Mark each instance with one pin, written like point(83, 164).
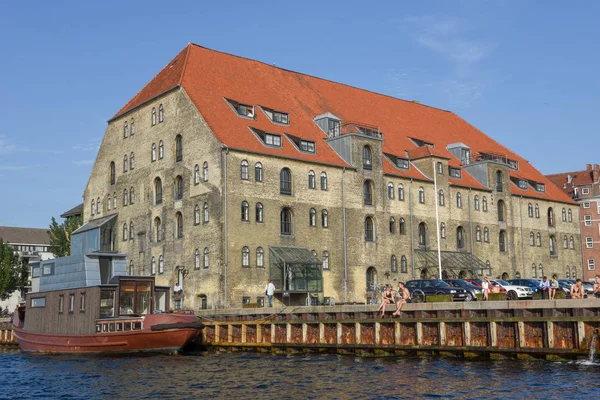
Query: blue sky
point(524, 72)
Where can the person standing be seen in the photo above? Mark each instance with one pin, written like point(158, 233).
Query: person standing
point(597, 287)
point(544, 287)
point(577, 291)
point(485, 285)
point(270, 291)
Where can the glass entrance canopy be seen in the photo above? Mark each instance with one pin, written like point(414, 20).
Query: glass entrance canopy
point(295, 270)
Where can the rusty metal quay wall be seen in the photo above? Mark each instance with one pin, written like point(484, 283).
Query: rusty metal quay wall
point(560, 329)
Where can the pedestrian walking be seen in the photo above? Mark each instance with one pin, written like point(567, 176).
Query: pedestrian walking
point(270, 291)
point(485, 285)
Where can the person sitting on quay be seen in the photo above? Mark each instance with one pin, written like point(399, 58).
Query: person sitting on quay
point(553, 288)
point(177, 289)
point(597, 287)
point(544, 287)
point(388, 298)
point(577, 290)
point(402, 298)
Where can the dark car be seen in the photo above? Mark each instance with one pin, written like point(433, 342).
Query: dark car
point(534, 284)
point(435, 286)
point(472, 289)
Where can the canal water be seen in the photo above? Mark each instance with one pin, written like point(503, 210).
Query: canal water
point(266, 376)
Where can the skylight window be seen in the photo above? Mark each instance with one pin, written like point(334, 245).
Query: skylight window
point(243, 110)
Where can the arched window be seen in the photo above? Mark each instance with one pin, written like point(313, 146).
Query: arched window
point(570, 213)
point(260, 257)
point(323, 181)
point(132, 127)
point(369, 230)
point(245, 211)
point(178, 148)
point(499, 181)
point(312, 217)
point(564, 215)
point(125, 197)
point(206, 258)
point(311, 179)
point(178, 187)
point(403, 266)
point(125, 163)
point(458, 200)
point(157, 229)
point(484, 204)
point(552, 245)
point(500, 210)
point(115, 200)
point(131, 195)
point(367, 158)
point(530, 210)
point(402, 227)
point(197, 214)
point(258, 172)
point(368, 193)
point(392, 225)
point(179, 225)
point(565, 242)
point(205, 220)
point(401, 192)
point(537, 211)
point(131, 161)
point(441, 199)
point(443, 230)
point(502, 241)
point(394, 264)
point(285, 181)
point(153, 152)
point(161, 114)
point(98, 205)
point(568, 273)
point(574, 273)
point(486, 234)
point(571, 242)
point(131, 269)
point(460, 238)
point(324, 219)
point(153, 116)
point(371, 279)
point(245, 257)
point(161, 150)
point(476, 202)
point(531, 239)
point(533, 271)
point(538, 239)
point(244, 170)
point(197, 259)
point(153, 266)
point(540, 271)
point(161, 264)
point(325, 259)
point(550, 216)
point(421, 195)
point(125, 130)
point(422, 234)
point(125, 235)
point(478, 233)
point(93, 208)
point(391, 191)
point(259, 212)
point(108, 203)
point(157, 191)
point(285, 220)
point(196, 174)
point(205, 171)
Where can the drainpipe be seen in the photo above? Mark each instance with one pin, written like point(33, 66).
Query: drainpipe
point(522, 244)
point(225, 151)
point(437, 220)
point(345, 238)
point(470, 221)
point(412, 233)
point(583, 263)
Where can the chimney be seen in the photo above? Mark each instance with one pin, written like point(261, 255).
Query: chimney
point(588, 167)
point(569, 178)
point(596, 173)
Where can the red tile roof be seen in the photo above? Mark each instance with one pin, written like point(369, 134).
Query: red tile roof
point(426, 151)
point(210, 76)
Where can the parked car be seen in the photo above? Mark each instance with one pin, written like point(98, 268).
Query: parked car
point(472, 288)
point(514, 292)
point(534, 284)
point(478, 282)
point(435, 286)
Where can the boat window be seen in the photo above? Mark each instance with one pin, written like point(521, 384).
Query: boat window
point(105, 328)
point(71, 302)
point(107, 304)
point(82, 303)
point(111, 327)
point(38, 302)
point(144, 290)
point(134, 297)
point(160, 299)
point(126, 297)
point(127, 326)
point(98, 328)
point(119, 326)
point(137, 325)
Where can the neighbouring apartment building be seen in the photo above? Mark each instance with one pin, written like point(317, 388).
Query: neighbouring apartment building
point(223, 172)
point(584, 187)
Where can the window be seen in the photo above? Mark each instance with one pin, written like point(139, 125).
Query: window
point(564, 215)
point(272, 140)
point(392, 225)
point(153, 266)
point(205, 220)
point(478, 233)
point(486, 234)
point(131, 269)
point(441, 199)
point(157, 191)
point(402, 227)
point(588, 220)
point(393, 264)
point(402, 163)
point(131, 195)
point(499, 180)
point(93, 209)
point(443, 230)
point(312, 217)
point(243, 110)
point(369, 234)
point(570, 213)
point(61, 303)
point(258, 172)
point(537, 211)
point(125, 197)
point(179, 225)
point(333, 128)
point(125, 130)
point(260, 257)
point(131, 231)
point(157, 229)
point(115, 200)
point(533, 271)
point(500, 210)
point(197, 214)
point(285, 182)
point(161, 150)
point(591, 266)
point(307, 146)
point(259, 212)
point(325, 259)
point(460, 238)
point(178, 188)
point(565, 242)
point(205, 171)
point(403, 266)
point(153, 116)
point(568, 273)
point(245, 211)
point(422, 234)
point(178, 148)
point(125, 163)
point(571, 243)
point(531, 239)
point(131, 161)
point(161, 114)
point(280, 117)
point(132, 127)
point(552, 246)
point(197, 259)
point(550, 217)
point(196, 174)
point(367, 158)
point(48, 269)
point(458, 200)
point(108, 203)
point(476, 202)
point(244, 170)
point(530, 210)
point(586, 204)
point(502, 241)
point(538, 240)
point(311, 180)
point(98, 205)
point(206, 258)
point(484, 204)
point(324, 219)
point(401, 192)
point(455, 173)
point(245, 257)
point(153, 152)
point(368, 193)
point(161, 264)
point(589, 242)
point(38, 302)
point(72, 302)
point(112, 173)
point(323, 181)
point(285, 220)
point(522, 184)
point(585, 191)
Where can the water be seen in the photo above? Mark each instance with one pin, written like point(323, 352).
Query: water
point(266, 376)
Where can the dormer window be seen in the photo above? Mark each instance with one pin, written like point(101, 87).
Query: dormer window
point(402, 163)
point(307, 146)
point(421, 143)
point(269, 139)
point(280, 117)
point(523, 184)
point(455, 173)
point(329, 124)
point(243, 110)
point(334, 128)
point(540, 187)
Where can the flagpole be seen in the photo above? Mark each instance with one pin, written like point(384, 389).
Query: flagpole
point(437, 219)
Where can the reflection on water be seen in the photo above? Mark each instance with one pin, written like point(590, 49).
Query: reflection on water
point(265, 376)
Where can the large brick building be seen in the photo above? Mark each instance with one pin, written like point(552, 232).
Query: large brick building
point(223, 171)
point(584, 187)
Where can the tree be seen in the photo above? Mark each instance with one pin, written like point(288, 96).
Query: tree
point(13, 272)
point(60, 235)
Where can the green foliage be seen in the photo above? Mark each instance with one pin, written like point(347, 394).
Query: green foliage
point(60, 235)
point(13, 272)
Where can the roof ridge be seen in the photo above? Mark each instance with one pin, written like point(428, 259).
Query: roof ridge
point(185, 62)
